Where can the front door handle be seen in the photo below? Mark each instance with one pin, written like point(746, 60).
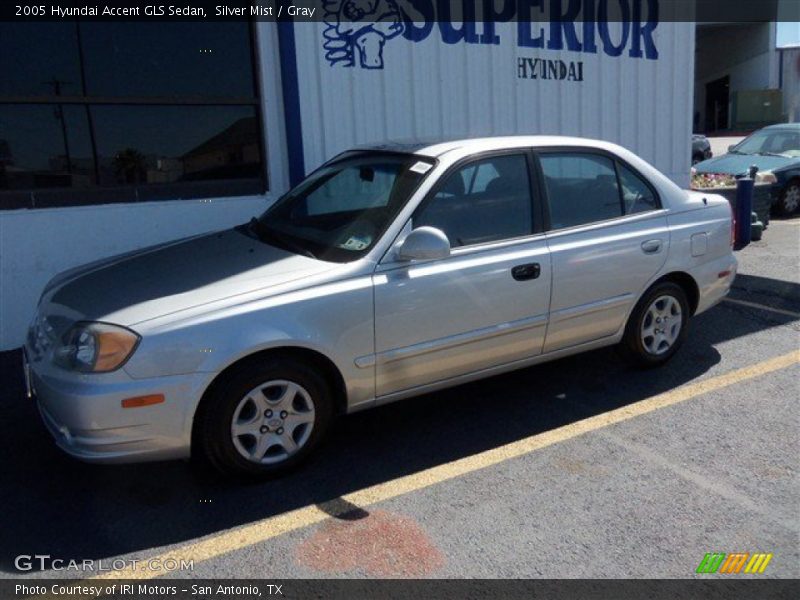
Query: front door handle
point(651, 246)
point(527, 271)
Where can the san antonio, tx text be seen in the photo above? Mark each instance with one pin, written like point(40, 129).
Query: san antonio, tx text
point(65, 589)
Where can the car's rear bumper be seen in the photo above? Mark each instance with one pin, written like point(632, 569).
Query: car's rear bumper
point(714, 280)
point(87, 420)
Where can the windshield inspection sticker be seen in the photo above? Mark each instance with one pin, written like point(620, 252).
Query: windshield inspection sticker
point(356, 243)
point(421, 167)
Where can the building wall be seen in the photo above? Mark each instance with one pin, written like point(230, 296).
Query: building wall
point(430, 88)
point(790, 82)
point(745, 52)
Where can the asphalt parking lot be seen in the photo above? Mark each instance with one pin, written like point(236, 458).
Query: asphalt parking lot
point(579, 468)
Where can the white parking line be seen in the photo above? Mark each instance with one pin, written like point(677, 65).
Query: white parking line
point(780, 311)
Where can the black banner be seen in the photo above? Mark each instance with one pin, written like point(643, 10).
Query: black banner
point(702, 11)
point(349, 589)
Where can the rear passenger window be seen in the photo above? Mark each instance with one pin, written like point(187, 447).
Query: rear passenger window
point(485, 201)
point(637, 196)
point(581, 188)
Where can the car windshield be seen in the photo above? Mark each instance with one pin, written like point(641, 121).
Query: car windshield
point(341, 210)
point(781, 142)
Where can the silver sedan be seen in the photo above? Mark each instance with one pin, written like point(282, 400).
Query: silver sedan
point(390, 271)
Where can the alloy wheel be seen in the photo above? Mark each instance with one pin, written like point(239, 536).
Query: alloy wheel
point(661, 325)
point(273, 421)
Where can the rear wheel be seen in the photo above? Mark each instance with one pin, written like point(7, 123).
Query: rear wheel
point(789, 200)
point(265, 418)
point(657, 326)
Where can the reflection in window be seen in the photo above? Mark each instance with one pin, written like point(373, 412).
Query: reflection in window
point(102, 112)
point(485, 201)
point(165, 144)
point(636, 194)
point(45, 146)
point(168, 59)
point(581, 188)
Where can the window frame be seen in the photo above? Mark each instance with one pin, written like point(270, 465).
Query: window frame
point(537, 210)
point(616, 161)
point(149, 192)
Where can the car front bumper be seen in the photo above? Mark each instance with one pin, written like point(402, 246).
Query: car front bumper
point(84, 413)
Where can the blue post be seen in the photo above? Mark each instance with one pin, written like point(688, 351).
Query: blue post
point(744, 208)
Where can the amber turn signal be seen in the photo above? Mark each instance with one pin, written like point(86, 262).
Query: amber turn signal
point(138, 401)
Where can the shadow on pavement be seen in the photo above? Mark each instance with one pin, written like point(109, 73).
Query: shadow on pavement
point(54, 505)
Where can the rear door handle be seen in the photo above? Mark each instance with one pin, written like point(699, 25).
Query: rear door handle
point(527, 271)
point(651, 246)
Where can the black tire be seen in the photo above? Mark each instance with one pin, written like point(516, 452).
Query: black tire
point(780, 206)
point(632, 345)
point(212, 437)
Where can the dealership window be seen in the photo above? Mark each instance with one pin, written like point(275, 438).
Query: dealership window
point(120, 112)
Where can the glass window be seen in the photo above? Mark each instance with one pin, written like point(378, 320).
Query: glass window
point(168, 59)
point(127, 111)
point(163, 144)
point(485, 201)
point(581, 188)
point(341, 209)
point(637, 196)
point(39, 59)
point(45, 146)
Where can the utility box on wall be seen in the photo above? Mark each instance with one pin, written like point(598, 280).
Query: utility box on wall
point(753, 109)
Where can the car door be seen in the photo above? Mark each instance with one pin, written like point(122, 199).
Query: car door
point(486, 304)
point(607, 238)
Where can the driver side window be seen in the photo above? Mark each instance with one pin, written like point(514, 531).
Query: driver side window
point(485, 201)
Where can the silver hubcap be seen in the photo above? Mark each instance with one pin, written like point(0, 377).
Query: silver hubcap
point(661, 325)
point(791, 199)
point(273, 421)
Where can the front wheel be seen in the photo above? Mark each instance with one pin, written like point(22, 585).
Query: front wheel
point(264, 418)
point(657, 326)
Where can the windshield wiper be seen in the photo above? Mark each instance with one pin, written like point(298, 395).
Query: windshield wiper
point(272, 237)
point(771, 154)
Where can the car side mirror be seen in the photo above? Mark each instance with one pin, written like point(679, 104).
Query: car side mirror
point(731, 147)
point(424, 243)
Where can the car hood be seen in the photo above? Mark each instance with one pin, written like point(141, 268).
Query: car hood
point(169, 278)
point(737, 164)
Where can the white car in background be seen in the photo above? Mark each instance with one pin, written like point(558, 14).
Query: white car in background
point(391, 271)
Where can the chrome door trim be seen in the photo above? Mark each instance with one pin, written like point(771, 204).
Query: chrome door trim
point(591, 307)
point(453, 341)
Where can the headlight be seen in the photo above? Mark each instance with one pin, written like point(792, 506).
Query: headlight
point(95, 347)
point(766, 177)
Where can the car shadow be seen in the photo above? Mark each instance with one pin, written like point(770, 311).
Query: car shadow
point(52, 504)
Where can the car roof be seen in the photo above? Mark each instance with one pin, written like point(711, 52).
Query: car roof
point(790, 126)
point(436, 147)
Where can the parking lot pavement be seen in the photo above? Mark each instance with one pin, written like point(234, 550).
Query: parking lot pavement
point(579, 468)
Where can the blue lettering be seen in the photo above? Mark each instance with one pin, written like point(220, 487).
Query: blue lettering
point(524, 34)
point(414, 30)
point(453, 35)
point(564, 23)
point(602, 27)
point(644, 34)
point(491, 17)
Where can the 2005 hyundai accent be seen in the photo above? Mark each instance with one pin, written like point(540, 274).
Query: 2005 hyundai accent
point(390, 271)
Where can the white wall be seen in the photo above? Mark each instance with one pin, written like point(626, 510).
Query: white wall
point(429, 88)
point(37, 244)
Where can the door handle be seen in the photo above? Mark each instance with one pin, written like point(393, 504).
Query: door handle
point(527, 271)
point(651, 246)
